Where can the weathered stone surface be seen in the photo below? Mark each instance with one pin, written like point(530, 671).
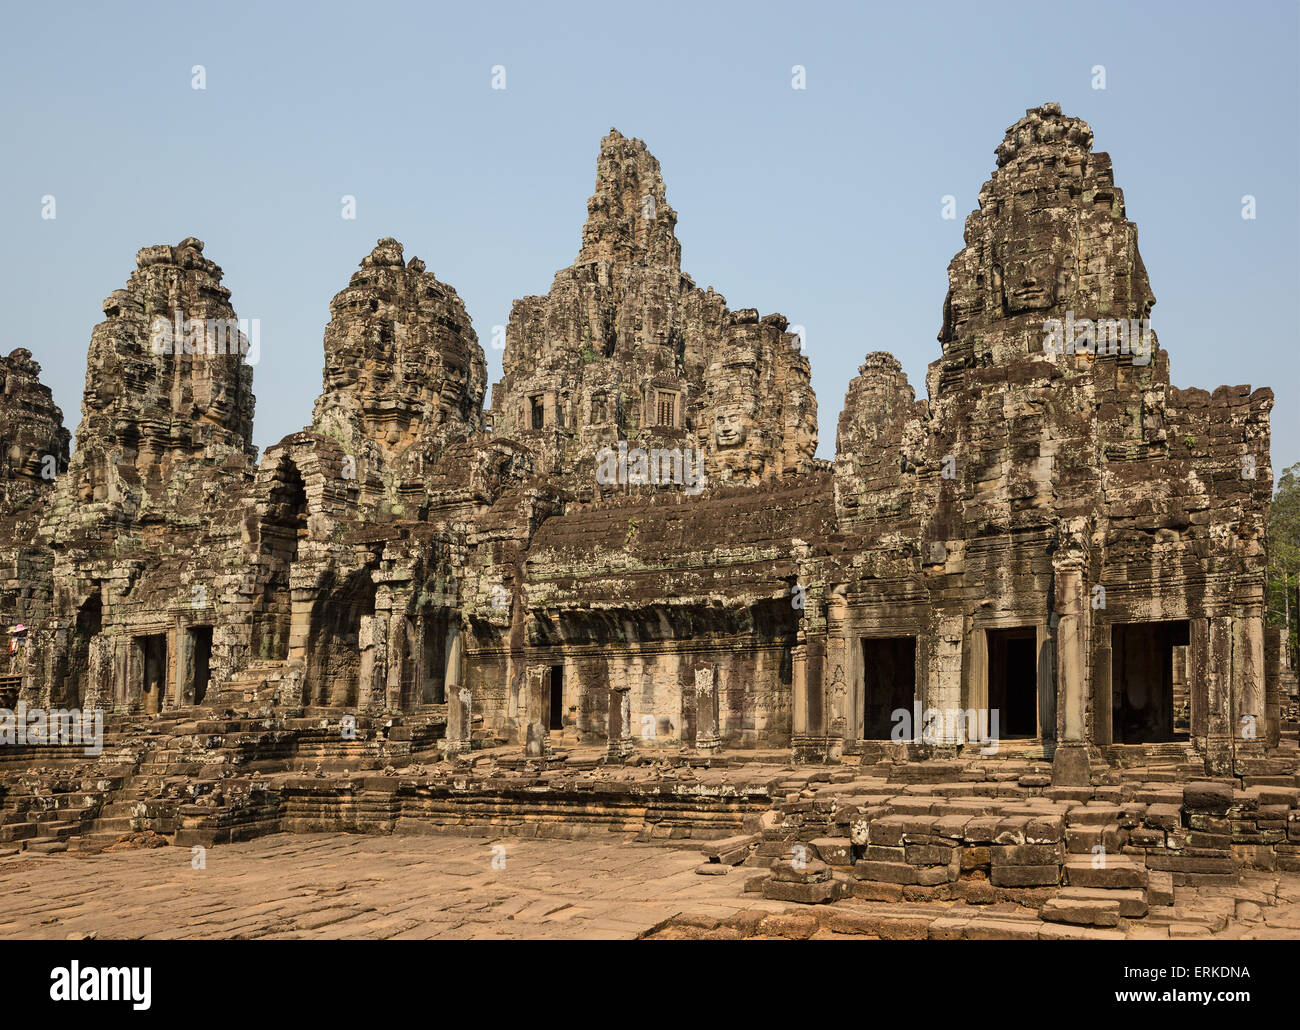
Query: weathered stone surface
point(1055, 545)
point(626, 348)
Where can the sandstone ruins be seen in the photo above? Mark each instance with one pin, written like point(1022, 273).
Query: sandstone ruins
point(418, 606)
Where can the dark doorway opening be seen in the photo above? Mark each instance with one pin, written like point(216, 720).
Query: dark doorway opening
point(434, 690)
point(1013, 680)
point(89, 624)
point(334, 638)
point(889, 684)
point(153, 671)
point(557, 697)
point(201, 659)
point(1149, 703)
point(283, 526)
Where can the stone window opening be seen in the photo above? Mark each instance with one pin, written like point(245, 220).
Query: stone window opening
point(888, 685)
point(665, 408)
point(537, 411)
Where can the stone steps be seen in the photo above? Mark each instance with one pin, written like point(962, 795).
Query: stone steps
point(1112, 871)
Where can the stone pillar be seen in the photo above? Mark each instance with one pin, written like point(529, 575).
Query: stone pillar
point(460, 720)
point(800, 715)
point(618, 741)
point(1218, 737)
point(460, 711)
point(393, 664)
point(99, 674)
point(1249, 716)
point(1070, 763)
point(455, 649)
point(706, 711)
point(537, 736)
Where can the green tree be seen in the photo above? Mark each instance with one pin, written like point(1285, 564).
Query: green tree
point(1284, 558)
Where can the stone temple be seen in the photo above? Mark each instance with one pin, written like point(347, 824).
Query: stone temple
point(1042, 585)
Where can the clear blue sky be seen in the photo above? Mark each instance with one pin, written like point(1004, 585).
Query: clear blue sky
point(823, 204)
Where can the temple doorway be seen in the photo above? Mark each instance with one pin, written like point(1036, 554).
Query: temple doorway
point(888, 685)
point(1149, 697)
point(1013, 680)
point(557, 698)
point(200, 641)
point(437, 628)
point(283, 526)
point(153, 671)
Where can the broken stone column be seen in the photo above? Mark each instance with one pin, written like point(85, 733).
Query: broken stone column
point(460, 720)
point(619, 740)
point(706, 711)
point(537, 737)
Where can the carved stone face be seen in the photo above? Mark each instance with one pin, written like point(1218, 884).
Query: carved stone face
point(729, 428)
point(1028, 277)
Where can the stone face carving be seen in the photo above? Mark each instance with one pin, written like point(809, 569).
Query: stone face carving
point(167, 379)
point(395, 556)
point(1057, 490)
point(404, 373)
point(625, 347)
point(33, 440)
point(730, 425)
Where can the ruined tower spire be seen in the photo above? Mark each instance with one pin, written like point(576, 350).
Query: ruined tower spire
point(628, 217)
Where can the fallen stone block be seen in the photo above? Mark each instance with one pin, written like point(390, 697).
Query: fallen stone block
point(1080, 912)
point(886, 872)
point(834, 850)
point(1025, 875)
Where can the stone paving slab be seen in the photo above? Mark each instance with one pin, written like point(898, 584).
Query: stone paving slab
point(342, 885)
point(293, 886)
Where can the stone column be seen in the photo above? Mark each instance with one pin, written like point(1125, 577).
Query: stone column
point(460, 711)
point(537, 736)
point(1070, 763)
point(1249, 717)
point(99, 674)
point(706, 711)
point(800, 715)
point(618, 741)
point(455, 649)
point(1218, 737)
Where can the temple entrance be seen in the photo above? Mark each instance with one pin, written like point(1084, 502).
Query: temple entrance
point(89, 624)
point(334, 639)
point(200, 641)
point(436, 629)
point(1149, 697)
point(283, 525)
point(152, 656)
point(889, 684)
point(557, 698)
point(1013, 680)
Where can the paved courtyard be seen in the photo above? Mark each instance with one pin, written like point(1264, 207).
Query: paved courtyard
point(426, 887)
point(342, 885)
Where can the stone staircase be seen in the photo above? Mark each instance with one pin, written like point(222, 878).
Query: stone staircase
point(1102, 885)
point(261, 685)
